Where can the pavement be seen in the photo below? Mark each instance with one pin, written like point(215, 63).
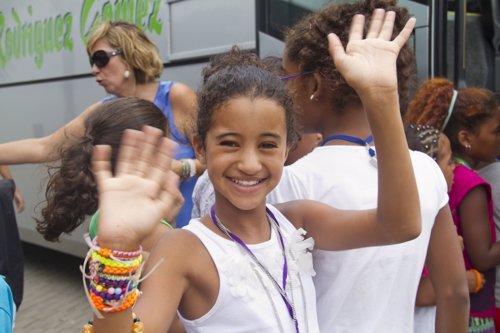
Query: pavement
point(54, 300)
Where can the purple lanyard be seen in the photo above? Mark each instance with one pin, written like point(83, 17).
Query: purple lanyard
point(282, 290)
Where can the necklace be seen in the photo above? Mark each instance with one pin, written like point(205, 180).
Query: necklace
point(282, 290)
point(462, 161)
point(362, 142)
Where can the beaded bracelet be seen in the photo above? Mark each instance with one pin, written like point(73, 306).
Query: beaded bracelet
point(114, 278)
point(188, 168)
point(115, 254)
point(137, 326)
point(112, 305)
point(111, 293)
point(131, 262)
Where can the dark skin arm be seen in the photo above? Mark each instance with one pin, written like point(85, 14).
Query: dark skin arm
point(426, 295)
point(482, 252)
point(447, 274)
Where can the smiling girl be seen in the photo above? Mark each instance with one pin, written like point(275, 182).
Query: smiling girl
point(246, 266)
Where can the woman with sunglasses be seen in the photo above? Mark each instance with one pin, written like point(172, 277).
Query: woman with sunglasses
point(125, 62)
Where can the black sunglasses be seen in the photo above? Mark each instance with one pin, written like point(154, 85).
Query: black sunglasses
point(101, 58)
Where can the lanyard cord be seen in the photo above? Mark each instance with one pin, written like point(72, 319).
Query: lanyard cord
point(366, 142)
point(237, 240)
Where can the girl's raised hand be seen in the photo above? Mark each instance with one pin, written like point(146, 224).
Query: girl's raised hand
point(370, 63)
point(142, 191)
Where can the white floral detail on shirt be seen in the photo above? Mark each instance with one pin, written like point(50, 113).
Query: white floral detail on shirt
point(242, 279)
point(239, 273)
point(300, 255)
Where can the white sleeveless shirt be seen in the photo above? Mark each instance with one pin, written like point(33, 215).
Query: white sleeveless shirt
point(245, 292)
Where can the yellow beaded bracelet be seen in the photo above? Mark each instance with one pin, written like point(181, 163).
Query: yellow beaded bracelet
point(116, 263)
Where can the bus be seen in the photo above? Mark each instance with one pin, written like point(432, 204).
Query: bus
point(45, 77)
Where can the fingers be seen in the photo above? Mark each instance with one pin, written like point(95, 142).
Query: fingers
point(376, 23)
point(388, 26)
point(357, 27)
point(131, 139)
point(335, 46)
point(161, 164)
point(403, 36)
point(147, 151)
point(138, 151)
point(19, 201)
point(171, 197)
point(381, 26)
point(101, 166)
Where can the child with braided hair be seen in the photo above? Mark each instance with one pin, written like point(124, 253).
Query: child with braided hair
point(470, 118)
point(434, 143)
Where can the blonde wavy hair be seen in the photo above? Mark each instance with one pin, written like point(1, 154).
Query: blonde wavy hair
point(138, 50)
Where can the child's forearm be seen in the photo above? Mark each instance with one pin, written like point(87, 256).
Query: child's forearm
point(398, 200)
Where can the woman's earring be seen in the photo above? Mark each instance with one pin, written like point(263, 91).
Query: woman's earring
point(126, 74)
point(468, 146)
point(312, 97)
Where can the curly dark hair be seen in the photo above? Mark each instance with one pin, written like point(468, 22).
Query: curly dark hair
point(307, 46)
point(473, 106)
point(241, 74)
point(71, 192)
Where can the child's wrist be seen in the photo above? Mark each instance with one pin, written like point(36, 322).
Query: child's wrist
point(118, 242)
point(478, 281)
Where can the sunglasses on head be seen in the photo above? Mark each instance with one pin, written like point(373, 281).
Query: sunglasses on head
point(101, 58)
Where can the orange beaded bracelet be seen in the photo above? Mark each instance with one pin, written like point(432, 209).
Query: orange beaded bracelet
point(126, 302)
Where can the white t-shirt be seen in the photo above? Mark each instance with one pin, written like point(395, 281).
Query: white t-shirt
point(425, 319)
point(244, 300)
point(370, 289)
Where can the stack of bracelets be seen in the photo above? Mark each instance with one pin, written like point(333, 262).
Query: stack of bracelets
point(113, 280)
point(188, 169)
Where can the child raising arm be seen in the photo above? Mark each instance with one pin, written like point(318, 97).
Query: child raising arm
point(245, 128)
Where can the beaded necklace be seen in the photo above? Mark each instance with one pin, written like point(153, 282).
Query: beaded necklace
point(282, 290)
point(362, 142)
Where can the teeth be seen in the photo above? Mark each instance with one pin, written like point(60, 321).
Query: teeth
point(246, 182)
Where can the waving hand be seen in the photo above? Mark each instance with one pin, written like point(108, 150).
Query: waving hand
point(142, 191)
point(370, 62)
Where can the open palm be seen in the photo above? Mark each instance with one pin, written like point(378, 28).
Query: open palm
point(370, 62)
point(141, 192)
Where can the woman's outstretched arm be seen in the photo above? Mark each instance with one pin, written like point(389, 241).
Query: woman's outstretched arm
point(47, 148)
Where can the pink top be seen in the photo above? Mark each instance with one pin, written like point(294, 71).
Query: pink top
point(465, 179)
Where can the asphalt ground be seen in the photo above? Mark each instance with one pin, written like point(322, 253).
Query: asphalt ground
point(54, 300)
